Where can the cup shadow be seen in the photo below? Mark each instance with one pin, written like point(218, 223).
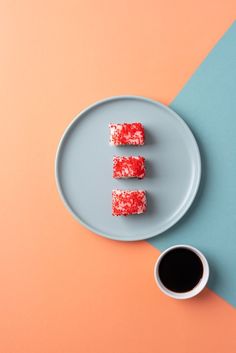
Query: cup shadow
point(214, 279)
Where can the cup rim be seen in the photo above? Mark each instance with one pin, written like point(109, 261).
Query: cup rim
point(198, 288)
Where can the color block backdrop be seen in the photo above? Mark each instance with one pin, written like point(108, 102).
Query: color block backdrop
point(207, 103)
point(64, 289)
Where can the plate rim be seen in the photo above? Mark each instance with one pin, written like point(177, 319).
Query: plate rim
point(193, 191)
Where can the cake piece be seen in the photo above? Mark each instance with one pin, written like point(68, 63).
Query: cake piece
point(126, 134)
point(128, 202)
point(128, 167)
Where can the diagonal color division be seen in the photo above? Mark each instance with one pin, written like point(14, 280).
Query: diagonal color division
point(208, 105)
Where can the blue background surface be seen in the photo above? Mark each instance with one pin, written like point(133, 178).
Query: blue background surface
point(208, 104)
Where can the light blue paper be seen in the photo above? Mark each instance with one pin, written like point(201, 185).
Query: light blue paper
point(208, 104)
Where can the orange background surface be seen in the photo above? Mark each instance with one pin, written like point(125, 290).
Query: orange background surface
point(64, 289)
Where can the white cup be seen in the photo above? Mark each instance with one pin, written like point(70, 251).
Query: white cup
point(197, 289)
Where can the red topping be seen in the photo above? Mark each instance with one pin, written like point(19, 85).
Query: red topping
point(126, 134)
point(128, 167)
point(127, 202)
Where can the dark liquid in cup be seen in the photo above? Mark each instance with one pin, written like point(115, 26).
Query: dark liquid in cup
point(180, 270)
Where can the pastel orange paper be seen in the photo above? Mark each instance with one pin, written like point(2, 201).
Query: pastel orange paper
point(64, 289)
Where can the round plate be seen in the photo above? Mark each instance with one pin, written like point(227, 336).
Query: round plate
point(84, 167)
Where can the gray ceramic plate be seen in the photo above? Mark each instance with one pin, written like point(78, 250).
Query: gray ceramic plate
point(84, 167)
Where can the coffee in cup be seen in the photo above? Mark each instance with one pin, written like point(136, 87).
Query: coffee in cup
point(181, 271)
